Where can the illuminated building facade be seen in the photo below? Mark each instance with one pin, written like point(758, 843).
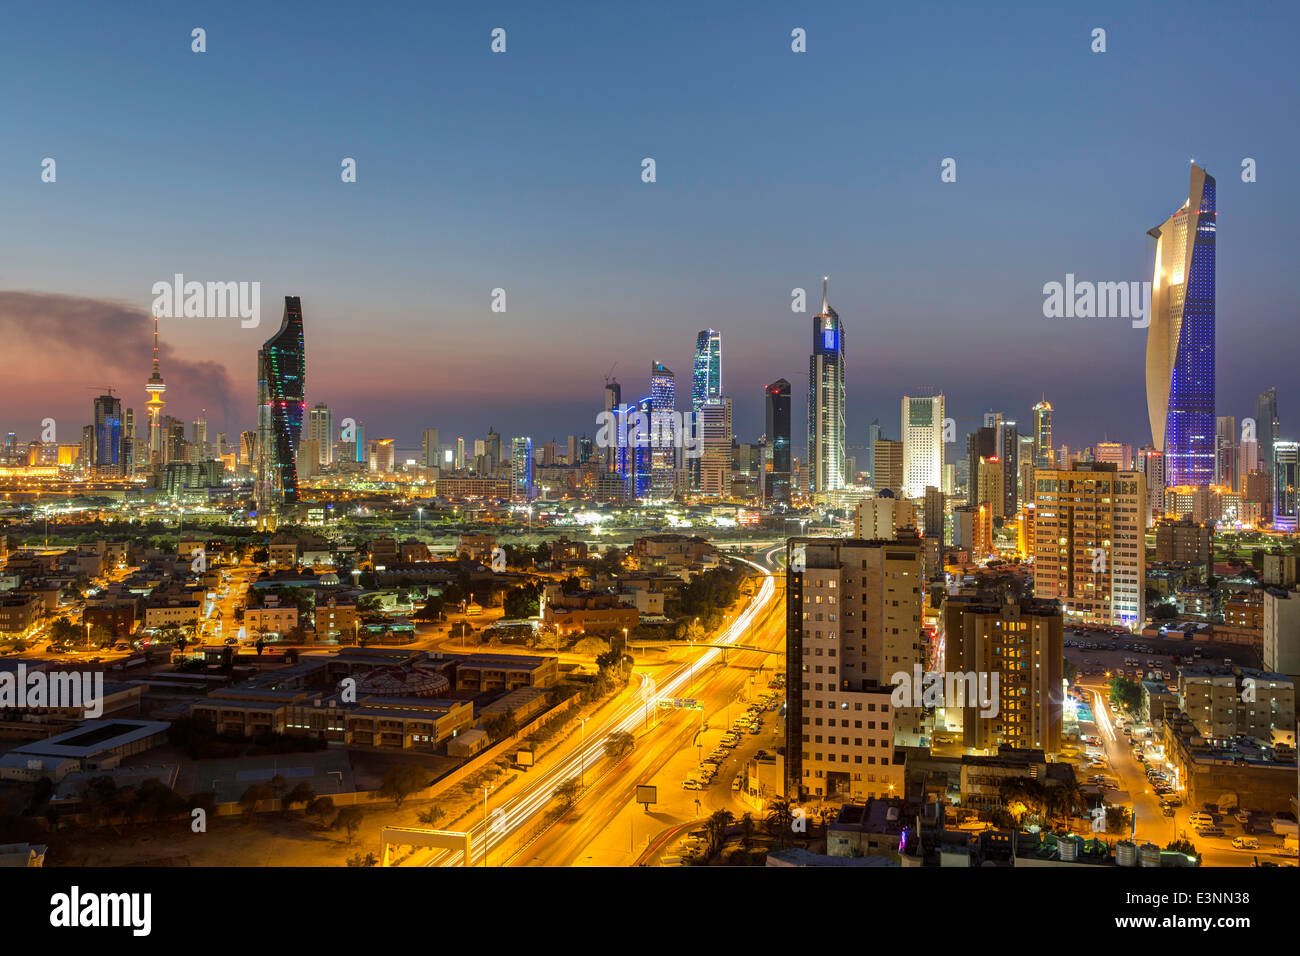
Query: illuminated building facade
point(826, 401)
point(1286, 485)
point(1180, 339)
point(777, 410)
point(922, 420)
point(154, 408)
point(281, 368)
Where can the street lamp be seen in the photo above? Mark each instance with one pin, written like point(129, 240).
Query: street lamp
point(582, 755)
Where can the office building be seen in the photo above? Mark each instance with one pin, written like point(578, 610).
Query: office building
point(889, 465)
point(922, 421)
point(1286, 484)
point(776, 403)
point(663, 431)
point(429, 455)
point(106, 452)
point(826, 402)
point(715, 461)
point(521, 468)
point(1266, 426)
point(1180, 365)
point(281, 369)
point(320, 429)
point(1043, 454)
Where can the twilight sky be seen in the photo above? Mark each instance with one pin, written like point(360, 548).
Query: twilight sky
point(523, 171)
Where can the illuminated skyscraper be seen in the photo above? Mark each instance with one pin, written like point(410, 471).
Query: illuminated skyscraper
point(1286, 485)
point(826, 401)
point(320, 429)
point(706, 386)
point(1180, 339)
point(521, 468)
point(154, 407)
point(1043, 434)
point(778, 436)
point(106, 453)
point(281, 368)
point(922, 420)
point(706, 381)
point(1266, 426)
point(663, 430)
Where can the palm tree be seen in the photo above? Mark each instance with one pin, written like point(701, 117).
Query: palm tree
point(780, 821)
point(716, 827)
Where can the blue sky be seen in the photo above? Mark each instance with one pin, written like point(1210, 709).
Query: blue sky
point(522, 171)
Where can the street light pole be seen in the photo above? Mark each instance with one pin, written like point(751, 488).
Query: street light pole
point(485, 827)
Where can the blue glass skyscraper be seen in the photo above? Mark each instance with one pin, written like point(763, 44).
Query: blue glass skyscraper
point(1180, 338)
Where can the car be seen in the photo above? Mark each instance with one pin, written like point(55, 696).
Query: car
point(1171, 802)
point(1199, 819)
point(1167, 811)
point(737, 783)
point(1245, 843)
point(692, 785)
point(1210, 831)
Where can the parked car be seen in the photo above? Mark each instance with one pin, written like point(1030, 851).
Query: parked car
point(1210, 831)
point(1245, 843)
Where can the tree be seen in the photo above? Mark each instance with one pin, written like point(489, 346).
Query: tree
point(567, 793)
point(618, 743)
point(780, 821)
point(358, 860)
point(62, 630)
point(349, 819)
point(252, 796)
point(403, 780)
point(747, 827)
point(321, 811)
point(716, 828)
point(301, 793)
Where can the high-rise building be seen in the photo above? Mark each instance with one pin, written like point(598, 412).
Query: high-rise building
point(981, 443)
point(663, 452)
point(1151, 464)
point(706, 377)
point(459, 461)
point(129, 445)
point(1009, 452)
point(715, 461)
point(281, 370)
point(853, 622)
point(320, 429)
point(874, 434)
point(933, 513)
point(1225, 452)
point(922, 420)
point(776, 400)
point(1022, 644)
point(706, 388)
point(826, 401)
point(1266, 426)
point(889, 465)
point(1286, 485)
point(199, 437)
point(429, 456)
point(1117, 453)
point(1090, 542)
point(381, 456)
point(1180, 339)
point(615, 453)
point(154, 408)
point(106, 453)
point(521, 468)
point(989, 489)
point(1043, 456)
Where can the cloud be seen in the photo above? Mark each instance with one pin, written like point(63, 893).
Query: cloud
point(101, 341)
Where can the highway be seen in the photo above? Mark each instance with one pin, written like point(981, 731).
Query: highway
point(518, 815)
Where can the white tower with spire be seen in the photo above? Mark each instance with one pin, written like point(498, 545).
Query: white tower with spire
point(155, 387)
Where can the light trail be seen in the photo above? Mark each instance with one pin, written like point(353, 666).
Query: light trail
point(506, 820)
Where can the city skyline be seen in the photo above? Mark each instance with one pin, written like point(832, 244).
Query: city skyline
point(86, 305)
